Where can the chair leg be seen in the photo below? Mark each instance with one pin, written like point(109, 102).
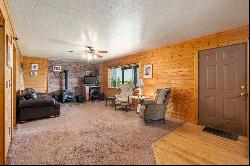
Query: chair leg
point(145, 121)
point(112, 103)
point(164, 122)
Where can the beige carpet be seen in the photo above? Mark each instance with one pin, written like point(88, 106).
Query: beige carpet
point(87, 134)
point(189, 145)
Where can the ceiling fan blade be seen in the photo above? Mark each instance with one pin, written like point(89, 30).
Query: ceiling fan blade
point(75, 52)
point(102, 52)
point(90, 48)
point(99, 56)
point(87, 51)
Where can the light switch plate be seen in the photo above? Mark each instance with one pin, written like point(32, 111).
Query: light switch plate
point(8, 84)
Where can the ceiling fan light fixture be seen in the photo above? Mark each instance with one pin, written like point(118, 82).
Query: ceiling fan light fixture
point(84, 56)
point(90, 53)
point(89, 57)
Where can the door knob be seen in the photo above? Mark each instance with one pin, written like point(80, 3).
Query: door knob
point(243, 94)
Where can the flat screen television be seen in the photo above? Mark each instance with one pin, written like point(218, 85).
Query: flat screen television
point(90, 80)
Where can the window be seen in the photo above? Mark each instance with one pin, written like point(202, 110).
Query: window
point(116, 77)
point(124, 75)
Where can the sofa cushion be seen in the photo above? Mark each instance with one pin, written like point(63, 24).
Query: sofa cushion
point(37, 103)
point(28, 93)
point(41, 95)
point(27, 96)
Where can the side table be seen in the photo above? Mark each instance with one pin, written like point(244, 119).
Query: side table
point(139, 99)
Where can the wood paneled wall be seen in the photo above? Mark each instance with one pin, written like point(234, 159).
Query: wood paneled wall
point(40, 82)
point(176, 66)
point(7, 94)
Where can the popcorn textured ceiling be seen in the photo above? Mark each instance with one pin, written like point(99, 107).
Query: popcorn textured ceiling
point(53, 27)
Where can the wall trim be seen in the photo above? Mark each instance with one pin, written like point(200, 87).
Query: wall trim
point(2, 90)
point(197, 80)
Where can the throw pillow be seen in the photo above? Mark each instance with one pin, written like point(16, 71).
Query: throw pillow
point(33, 95)
point(27, 96)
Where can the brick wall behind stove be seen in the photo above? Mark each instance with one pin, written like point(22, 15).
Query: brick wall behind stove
point(76, 73)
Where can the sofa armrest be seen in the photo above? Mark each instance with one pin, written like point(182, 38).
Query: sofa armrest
point(155, 111)
point(36, 103)
point(154, 106)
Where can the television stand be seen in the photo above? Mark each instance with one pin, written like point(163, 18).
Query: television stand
point(92, 92)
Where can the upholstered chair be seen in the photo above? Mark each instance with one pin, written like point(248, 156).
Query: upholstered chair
point(126, 90)
point(155, 109)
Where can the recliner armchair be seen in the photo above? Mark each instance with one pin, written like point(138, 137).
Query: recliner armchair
point(155, 109)
point(126, 91)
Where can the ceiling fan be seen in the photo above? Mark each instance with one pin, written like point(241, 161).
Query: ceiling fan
point(90, 53)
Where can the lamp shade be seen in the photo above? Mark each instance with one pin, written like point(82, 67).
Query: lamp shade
point(140, 83)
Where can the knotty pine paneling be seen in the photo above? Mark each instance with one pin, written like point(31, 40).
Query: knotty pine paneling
point(39, 83)
point(176, 66)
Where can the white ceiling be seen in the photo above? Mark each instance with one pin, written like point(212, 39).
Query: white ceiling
point(53, 27)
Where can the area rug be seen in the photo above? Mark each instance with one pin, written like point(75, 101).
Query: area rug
point(87, 134)
point(221, 133)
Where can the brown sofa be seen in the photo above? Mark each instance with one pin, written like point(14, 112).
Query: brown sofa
point(32, 105)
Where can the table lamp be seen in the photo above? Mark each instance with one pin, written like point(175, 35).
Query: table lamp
point(140, 85)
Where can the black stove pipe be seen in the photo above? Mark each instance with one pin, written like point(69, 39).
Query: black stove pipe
point(66, 77)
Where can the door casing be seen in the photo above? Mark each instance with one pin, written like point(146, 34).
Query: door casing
point(196, 68)
point(2, 90)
